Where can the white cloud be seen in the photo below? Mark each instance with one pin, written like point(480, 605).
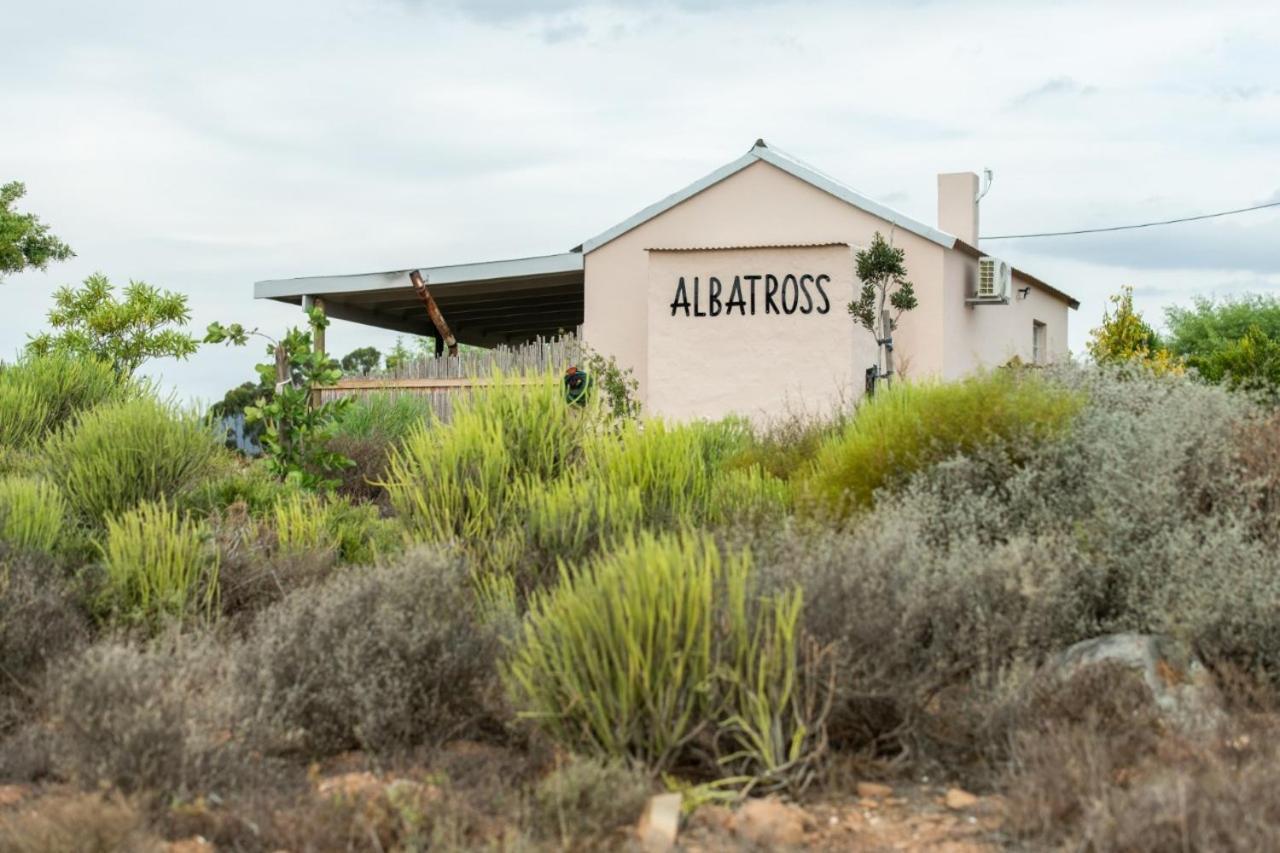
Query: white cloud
point(202, 148)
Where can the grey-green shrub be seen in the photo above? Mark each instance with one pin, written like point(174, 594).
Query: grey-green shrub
point(660, 651)
point(381, 658)
point(32, 513)
point(159, 563)
point(120, 454)
point(584, 799)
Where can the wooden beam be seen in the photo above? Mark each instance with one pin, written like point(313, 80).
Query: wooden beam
point(433, 311)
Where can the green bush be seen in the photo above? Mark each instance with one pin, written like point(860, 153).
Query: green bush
point(913, 426)
point(661, 652)
point(159, 564)
point(41, 393)
point(306, 522)
point(383, 658)
point(457, 480)
point(32, 513)
point(235, 481)
point(1235, 340)
point(120, 454)
point(579, 803)
point(384, 416)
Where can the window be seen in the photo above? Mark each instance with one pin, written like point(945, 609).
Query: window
point(1039, 350)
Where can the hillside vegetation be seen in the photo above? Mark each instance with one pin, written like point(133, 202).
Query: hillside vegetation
point(509, 630)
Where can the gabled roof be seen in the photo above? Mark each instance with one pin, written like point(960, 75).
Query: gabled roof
point(790, 165)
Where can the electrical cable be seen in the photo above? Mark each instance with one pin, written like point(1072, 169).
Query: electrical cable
point(1131, 227)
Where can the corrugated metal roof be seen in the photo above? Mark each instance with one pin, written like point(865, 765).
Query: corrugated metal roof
point(817, 245)
point(787, 163)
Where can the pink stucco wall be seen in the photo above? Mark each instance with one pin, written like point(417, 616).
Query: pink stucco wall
point(762, 206)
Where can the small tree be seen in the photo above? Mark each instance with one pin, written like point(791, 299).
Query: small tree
point(25, 241)
point(399, 356)
point(361, 360)
point(886, 295)
point(1124, 337)
point(294, 432)
point(91, 322)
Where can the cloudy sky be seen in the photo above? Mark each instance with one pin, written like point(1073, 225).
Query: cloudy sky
point(201, 147)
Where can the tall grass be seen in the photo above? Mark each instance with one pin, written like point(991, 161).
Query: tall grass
point(660, 652)
point(159, 564)
point(119, 454)
point(912, 426)
point(38, 394)
point(32, 513)
point(383, 415)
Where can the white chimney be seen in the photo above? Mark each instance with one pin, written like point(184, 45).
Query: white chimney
point(958, 205)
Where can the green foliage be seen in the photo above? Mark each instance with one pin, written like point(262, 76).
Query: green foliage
point(912, 426)
point(159, 564)
point(32, 513)
point(1235, 340)
point(661, 652)
point(399, 356)
point(361, 360)
point(92, 323)
point(294, 433)
point(38, 394)
point(383, 416)
point(25, 241)
point(883, 273)
point(306, 522)
point(585, 798)
point(120, 454)
point(457, 480)
point(618, 385)
point(1125, 338)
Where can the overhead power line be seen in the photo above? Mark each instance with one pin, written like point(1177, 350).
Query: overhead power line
point(1131, 227)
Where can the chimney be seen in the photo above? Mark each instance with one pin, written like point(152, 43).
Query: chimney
point(958, 205)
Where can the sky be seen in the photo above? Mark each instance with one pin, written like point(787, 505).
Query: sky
point(202, 147)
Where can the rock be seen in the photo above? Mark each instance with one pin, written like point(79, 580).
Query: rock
point(1181, 687)
point(351, 785)
point(958, 799)
point(659, 823)
point(873, 790)
point(770, 823)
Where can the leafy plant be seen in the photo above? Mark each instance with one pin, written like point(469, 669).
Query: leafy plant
point(32, 513)
point(25, 241)
point(120, 454)
point(91, 323)
point(295, 432)
point(159, 564)
point(881, 269)
point(39, 394)
point(660, 652)
point(618, 385)
point(361, 360)
point(913, 426)
point(1125, 338)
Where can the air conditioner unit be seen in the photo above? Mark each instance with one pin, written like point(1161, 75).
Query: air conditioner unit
point(995, 280)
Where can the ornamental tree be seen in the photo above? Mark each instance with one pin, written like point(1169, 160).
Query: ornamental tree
point(25, 241)
point(91, 322)
point(1124, 337)
point(295, 433)
point(886, 295)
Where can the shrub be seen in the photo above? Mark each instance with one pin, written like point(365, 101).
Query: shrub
point(118, 455)
point(40, 622)
point(916, 425)
point(384, 416)
point(41, 393)
point(1232, 340)
point(456, 480)
point(660, 652)
point(32, 513)
point(151, 719)
point(159, 563)
point(582, 801)
point(248, 483)
point(383, 658)
point(786, 448)
point(78, 823)
point(305, 522)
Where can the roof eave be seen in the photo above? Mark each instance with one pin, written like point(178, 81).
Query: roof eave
point(975, 252)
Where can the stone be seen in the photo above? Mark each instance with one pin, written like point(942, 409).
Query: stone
point(770, 823)
point(659, 824)
point(1181, 688)
point(958, 799)
point(873, 790)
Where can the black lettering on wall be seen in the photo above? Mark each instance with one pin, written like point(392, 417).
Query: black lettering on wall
point(790, 294)
point(807, 307)
point(735, 298)
point(713, 297)
point(681, 300)
point(753, 279)
point(826, 303)
point(770, 291)
point(697, 307)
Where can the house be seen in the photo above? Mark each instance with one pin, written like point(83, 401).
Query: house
point(730, 295)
